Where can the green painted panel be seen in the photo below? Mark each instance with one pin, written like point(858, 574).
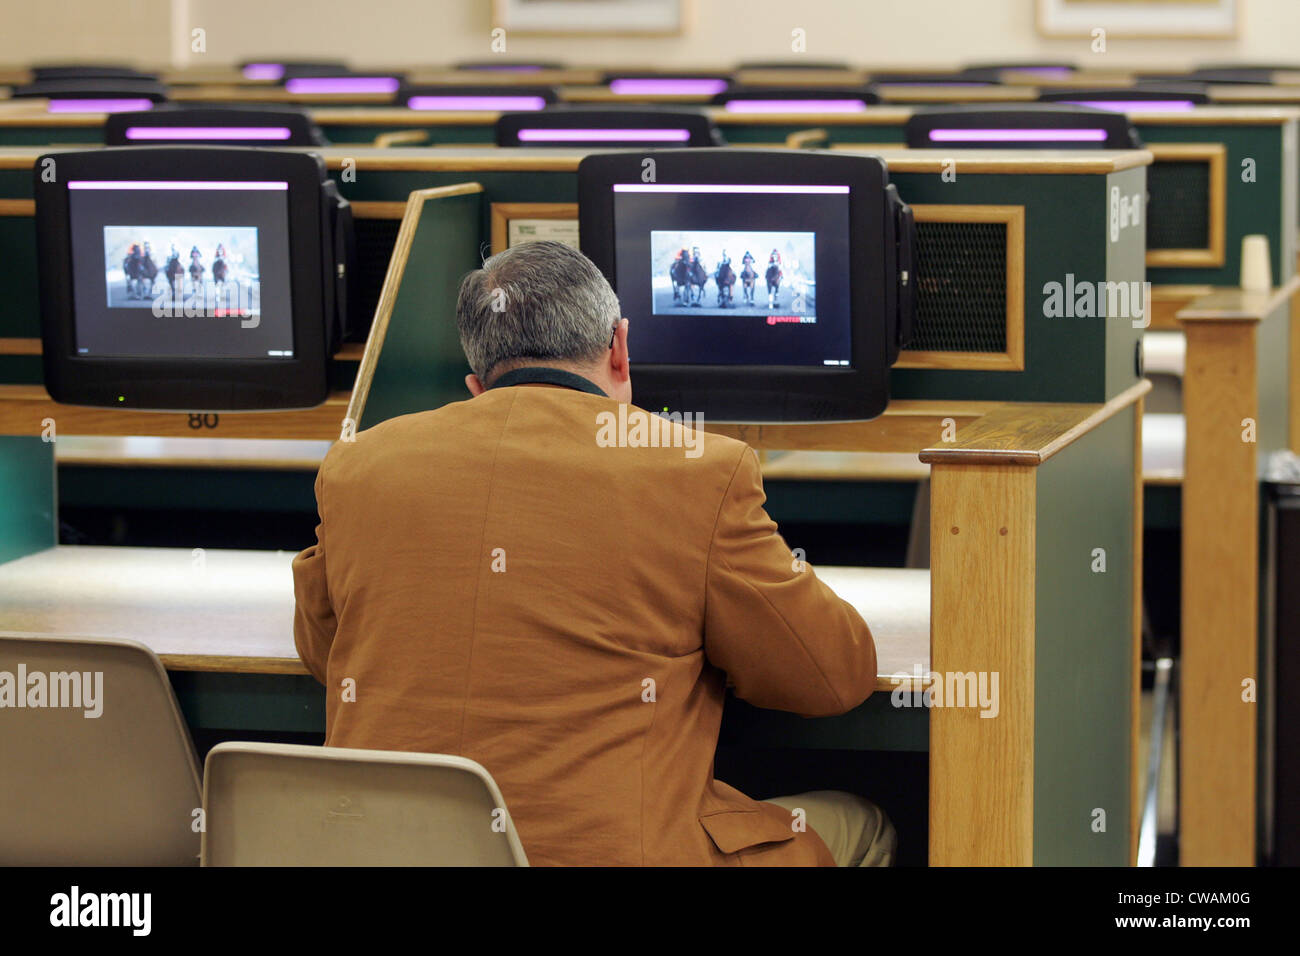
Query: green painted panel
point(1083, 649)
point(21, 370)
point(21, 317)
point(1065, 236)
point(421, 365)
point(15, 184)
point(1265, 206)
point(253, 702)
point(468, 134)
point(741, 134)
point(874, 725)
point(27, 519)
point(1125, 275)
point(42, 134)
point(1272, 351)
point(841, 502)
point(239, 491)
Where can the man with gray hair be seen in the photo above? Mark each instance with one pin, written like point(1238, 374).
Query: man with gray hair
point(501, 584)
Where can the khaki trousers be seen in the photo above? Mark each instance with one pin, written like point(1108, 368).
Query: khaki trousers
point(854, 829)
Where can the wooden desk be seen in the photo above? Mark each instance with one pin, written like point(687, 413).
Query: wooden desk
point(1220, 565)
point(232, 611)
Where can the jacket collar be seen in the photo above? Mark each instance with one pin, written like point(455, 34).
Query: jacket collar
point(541, 375)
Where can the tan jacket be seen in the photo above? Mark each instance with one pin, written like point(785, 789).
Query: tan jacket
point(502, 587)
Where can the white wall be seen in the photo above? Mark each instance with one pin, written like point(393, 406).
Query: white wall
point(435, 32)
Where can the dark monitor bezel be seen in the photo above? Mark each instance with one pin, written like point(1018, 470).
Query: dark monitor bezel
point(1196, 93)
point(302, 131)
point(763, 393)
point(109, 88)
point(200, 384)
point(867, 93)
point(700, 129)
point(1120, 132)
point(548, 94)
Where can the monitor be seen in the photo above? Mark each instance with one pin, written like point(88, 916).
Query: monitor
point(1149, 97)
point(797, 99)
point(575, 126)
point(666, 84)
point(344, 84)
point(189, 278)
point(225, 126)
point(277, 70)
point(457, 97)
point(94, 95)
point(88, 71)
point(993, 71)
point(1019, 126)
point(761, 285)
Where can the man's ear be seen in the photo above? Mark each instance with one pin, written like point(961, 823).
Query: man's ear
point(474, 385)
point(619, 368)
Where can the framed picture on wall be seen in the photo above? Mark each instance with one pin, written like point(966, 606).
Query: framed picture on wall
point(1139, 18)
point(587, 17)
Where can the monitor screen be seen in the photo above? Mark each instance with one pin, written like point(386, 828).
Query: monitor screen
point(740, 274)
point(746, 298)
point(189, 278)
point(181, 269)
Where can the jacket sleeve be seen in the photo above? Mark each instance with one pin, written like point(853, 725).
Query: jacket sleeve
point(313, 616)
point(784, 638)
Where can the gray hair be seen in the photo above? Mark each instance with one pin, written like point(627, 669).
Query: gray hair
point(538, 300)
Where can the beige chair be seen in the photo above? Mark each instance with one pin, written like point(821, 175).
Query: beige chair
point(292, 805)
point(117, 789)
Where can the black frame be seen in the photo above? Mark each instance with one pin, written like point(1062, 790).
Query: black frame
point(772, 393)
point(302, 131)
point(168, 384)
point(94, 88)
point(548, 94)
point(866, 93)
point(1120, 133)
point(700, 128)
point(1196, 93)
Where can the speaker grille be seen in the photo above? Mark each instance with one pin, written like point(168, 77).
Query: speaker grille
point(961, 287)
point(375, 241)
point(1178, 206)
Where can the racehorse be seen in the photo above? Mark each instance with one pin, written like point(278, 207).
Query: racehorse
point(698, 278)
point(131, 266)
point(173, 271)
point(748, 278)
point(196, 268)
point(148, 271)
point(725, 278)
point(220, 270)
point(680, 272)
point(773, 277)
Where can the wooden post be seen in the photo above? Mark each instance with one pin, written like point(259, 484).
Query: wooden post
point(1220, 570)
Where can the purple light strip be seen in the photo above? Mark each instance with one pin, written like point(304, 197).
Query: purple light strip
point(98, 106)
point(604, 135)
point(724, 188)
point(493, 102)
point(263, 71)
point(796, 106)
point(1124, 106)
point(652, 86)
point(342, 84)
point(174, 184)
point(208, 132)
point(1017, 135)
